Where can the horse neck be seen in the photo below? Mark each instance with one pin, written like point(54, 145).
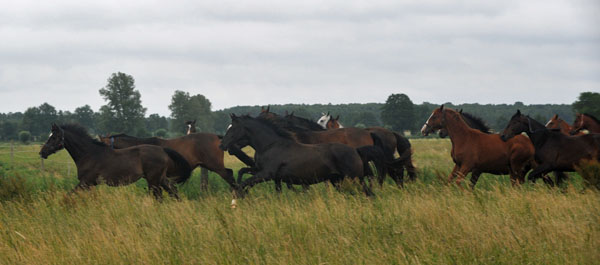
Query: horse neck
point(79, 147)
point(565, 128)
point(262, 138)
point(537, 132)
point(458, 130)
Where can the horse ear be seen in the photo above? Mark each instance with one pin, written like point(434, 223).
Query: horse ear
point(555, 116)
point(460, 111)
point(268, 108)
point(442, 107)
point(292, 114)
point(328, 113)
point(337, 118)
point(518, 112)
point(232, 115)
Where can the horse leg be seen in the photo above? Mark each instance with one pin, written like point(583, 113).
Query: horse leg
point(366, 188)
point(540, 171)
point(410, 169)
point(462, 173)
point(258, 178)
point(453, 173)
point(243, 171)
point(560, 177)
point(278, 185)
point(398, 176)
point(474, 177)
point(227, 175)
point(171, 189)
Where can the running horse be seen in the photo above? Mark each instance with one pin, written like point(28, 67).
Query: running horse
point(281, 158)
point(98, 163)
point(392, 142)
point(554, 151)
point(199, 149)
point(476, 152)
point(557, 123)
point(309, 132)
point(585, 121)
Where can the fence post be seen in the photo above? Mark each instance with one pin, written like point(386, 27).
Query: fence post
point(12, 152)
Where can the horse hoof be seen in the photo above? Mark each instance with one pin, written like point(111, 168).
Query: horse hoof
point(233, 204)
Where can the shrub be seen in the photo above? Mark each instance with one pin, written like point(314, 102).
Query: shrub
point(24, 137)
point(589, 170)
point(161, 133)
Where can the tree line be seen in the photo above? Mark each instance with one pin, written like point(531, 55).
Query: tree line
point(124, 113)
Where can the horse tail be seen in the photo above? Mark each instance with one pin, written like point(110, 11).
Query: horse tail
point(182, 168)
point(373, 153)
point(404, 150)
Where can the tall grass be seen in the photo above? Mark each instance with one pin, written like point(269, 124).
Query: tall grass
point(427, 222)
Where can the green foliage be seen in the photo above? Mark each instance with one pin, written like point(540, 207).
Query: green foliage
point(186, 108)
point(162, 133)
point(588, 102)
point(398, 112)
point(84, 115)
point(24, 137)
point(37, 120)
point(8, 130)
point(155, 122)
point(124, 111)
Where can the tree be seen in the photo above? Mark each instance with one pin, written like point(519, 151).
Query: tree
point(84, 115)
point(8, 130)
point(588, 102)
point(124, 111)
point(155, 122)
point(398, 112)
point(37, 120)
point(185, 108)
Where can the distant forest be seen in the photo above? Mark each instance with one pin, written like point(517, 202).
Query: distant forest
point(124, 113)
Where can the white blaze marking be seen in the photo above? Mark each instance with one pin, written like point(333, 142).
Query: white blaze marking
point(425, 125)
point(228, 127)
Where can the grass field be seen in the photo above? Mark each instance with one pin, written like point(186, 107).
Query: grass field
point(427, 222)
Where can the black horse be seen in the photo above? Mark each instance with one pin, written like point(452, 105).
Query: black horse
point(554, 151)
point(280, 157)
point(96, 162)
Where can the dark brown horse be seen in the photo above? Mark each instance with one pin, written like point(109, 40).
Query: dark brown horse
point(199, 149)
point(554, 151)
point(280, 157)
point(392, 142)
point(476, 152)
point(97, 162)
point(586, 121)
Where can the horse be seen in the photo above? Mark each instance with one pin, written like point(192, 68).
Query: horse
point(280, 157)
point(328, 122)
point(391, 142)
point(554, 151)
point(199, 149)
point(557, 123)
point(585, 121)
point(308, 132)
point(476, 152)
point(191, 125)
point(96, 162)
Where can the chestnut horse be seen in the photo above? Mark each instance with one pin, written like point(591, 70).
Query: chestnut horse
point(477, 152)
point(586, 121)
point(199, 149)
point(554, 151)
point(557, 123)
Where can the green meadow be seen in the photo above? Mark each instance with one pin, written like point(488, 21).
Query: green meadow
point(426, 222)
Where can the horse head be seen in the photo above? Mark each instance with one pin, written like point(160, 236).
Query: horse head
point(55, 142)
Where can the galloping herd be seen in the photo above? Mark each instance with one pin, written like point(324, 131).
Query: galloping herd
point(297, 151)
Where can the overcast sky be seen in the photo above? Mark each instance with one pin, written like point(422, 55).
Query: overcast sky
point(277, 52)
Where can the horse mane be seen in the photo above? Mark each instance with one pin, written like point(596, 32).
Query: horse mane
point(80, 131)
point(478, 122)
point(592, 117)
point(277, 129)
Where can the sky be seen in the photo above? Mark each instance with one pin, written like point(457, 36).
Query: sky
point(278, 52)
